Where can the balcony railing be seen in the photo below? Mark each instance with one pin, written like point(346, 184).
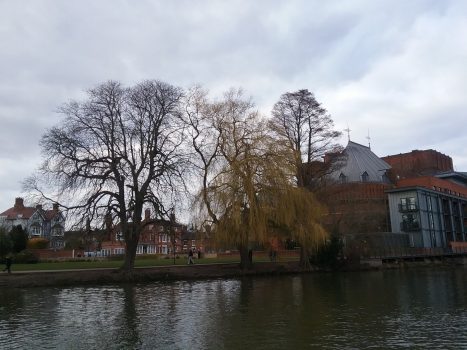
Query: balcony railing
point(410, 226)
point(407, 207)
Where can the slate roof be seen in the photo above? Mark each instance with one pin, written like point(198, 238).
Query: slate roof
point(19, 210)
point(24, 212)
point(360, 159)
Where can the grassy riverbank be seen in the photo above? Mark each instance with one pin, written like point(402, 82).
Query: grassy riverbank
point(96, 264)
point(79, 264)
point(90, 276)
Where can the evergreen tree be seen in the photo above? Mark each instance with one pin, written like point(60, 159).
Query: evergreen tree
point(19, 239)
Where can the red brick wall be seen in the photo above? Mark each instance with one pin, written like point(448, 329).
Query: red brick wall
point(357, 208)
point(434, 183)
point(419, 162)
point(360, 191)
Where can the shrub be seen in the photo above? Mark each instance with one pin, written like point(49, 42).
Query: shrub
point(38, 243)
point(328, 254)
point(25, 257)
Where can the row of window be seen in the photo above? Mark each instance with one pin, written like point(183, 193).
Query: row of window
point(36, 231)
point(143, 249)
point(164, 238)
point(364, 177)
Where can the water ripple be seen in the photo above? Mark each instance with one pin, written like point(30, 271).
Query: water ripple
point(376, 310)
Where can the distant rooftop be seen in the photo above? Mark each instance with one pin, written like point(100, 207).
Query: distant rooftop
point(361, 165)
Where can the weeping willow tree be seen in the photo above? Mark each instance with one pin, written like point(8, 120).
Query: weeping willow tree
point(248, 190)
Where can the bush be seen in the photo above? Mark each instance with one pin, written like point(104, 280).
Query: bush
point(25, 257)
point(328, 254)
point(38, 243)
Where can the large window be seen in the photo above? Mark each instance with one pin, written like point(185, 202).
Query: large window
point(410, 222)
point(57, 231)
point(36, 230)
point(119, 236)
point(365, 177)
point(408, 204)
point(119, 251)
point(342, 178)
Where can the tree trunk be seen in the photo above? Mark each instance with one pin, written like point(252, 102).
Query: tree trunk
point(246, 257)
point(304, 257)
point(130, 255)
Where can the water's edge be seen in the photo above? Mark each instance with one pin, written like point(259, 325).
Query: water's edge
point(191, 272)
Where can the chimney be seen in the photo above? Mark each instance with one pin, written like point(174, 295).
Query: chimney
point(147, 214)
point(39, 207)
point(19, 203)
point(55, 207)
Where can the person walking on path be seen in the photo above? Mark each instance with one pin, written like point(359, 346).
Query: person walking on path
point(7, 265)
point(190, 257)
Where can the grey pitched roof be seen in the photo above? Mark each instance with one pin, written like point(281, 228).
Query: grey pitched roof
point(454, 176)
point(360, 159)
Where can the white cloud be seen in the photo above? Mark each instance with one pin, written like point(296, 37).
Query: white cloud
point(394, 67)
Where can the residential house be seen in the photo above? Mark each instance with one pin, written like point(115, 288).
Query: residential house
point(38, 222)
point(165, 237)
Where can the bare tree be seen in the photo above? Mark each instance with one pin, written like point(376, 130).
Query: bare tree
point(114, 153)
point(304, 126)
point(247, 178)
point(300, 121)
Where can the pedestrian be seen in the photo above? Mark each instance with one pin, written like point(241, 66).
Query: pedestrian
point(190, 257)
point(7, 265)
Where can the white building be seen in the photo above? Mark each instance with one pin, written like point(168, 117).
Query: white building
point(48, 224)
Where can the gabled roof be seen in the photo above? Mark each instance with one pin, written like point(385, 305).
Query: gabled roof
point(360, 159)
point(21, 211)
point(15, 212)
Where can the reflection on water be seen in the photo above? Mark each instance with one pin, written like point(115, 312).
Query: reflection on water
point(384, 309)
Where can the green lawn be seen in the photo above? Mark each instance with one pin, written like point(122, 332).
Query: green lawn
point(93, 264)
point(140, 262)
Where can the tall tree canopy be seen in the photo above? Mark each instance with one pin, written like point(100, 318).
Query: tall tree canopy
point(247, 188)
point(119, 150)
point(303, 124)
point(19, 238)
point(306, 129)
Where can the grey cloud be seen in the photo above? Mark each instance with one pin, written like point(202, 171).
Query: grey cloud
point(394, 67)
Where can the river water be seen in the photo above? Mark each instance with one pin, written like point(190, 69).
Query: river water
point(395, 309)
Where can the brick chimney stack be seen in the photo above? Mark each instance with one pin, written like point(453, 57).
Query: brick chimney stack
point(19, 203)
point(55, 207)
point(147, 214)
point(39, 207)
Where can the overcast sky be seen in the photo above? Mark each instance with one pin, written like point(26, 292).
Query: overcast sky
point(394, 69)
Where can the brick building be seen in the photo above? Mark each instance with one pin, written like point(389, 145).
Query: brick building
point(419, 163)
point(158, 236)
point(355, 193)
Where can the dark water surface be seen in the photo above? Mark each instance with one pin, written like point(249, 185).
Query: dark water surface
point(359, 310)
